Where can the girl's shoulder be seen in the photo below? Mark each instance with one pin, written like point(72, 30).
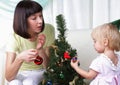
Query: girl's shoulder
point(99, 58)
point(97, 63)
point(118, 54)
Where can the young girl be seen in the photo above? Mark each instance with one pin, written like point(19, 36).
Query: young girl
point(105, 69)
point(26, 44)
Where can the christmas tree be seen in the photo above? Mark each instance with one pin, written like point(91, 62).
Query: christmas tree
point(59, 71)
point(116, 23)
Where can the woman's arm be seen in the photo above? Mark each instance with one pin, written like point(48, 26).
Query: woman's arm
point(43, 54)
point(12, 66)
point(13, 62)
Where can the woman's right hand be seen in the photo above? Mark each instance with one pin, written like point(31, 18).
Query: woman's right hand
point(28, 55)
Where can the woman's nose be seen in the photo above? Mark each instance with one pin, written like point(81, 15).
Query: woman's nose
point(39, 20)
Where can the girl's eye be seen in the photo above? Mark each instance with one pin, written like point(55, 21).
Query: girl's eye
point(94, 41)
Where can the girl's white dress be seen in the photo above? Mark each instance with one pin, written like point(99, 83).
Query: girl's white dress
point(109, 74)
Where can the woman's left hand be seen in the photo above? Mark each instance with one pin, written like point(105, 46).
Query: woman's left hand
point(40, 41)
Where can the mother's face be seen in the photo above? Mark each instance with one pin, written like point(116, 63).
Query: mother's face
point(35, 23)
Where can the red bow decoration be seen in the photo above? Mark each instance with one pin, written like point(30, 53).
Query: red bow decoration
point(66, 55)
point(38, 60)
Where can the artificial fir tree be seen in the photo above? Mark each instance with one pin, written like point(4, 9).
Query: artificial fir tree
point(116, 23)
point(59, 71)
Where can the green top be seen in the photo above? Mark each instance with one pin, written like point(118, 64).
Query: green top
point(18, 44)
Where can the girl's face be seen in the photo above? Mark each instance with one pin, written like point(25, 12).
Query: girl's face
point(99, 46)
point(35, 22)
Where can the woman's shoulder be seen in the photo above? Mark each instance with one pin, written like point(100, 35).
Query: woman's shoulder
point(16, 36)
point(49, 28)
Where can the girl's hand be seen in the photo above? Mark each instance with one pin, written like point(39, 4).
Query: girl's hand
point(40, 41)
point(28, 55)
point(74, 64)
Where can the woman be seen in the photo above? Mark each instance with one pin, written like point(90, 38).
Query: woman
point(26, 44)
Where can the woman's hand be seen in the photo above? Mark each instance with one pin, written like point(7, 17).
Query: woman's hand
point(40, 41)
point(28, 55)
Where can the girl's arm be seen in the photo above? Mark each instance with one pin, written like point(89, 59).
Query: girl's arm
point(91, 74)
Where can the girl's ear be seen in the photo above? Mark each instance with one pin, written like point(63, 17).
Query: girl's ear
point(106, 41)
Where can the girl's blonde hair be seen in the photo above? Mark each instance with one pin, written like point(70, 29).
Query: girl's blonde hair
point(110, 32)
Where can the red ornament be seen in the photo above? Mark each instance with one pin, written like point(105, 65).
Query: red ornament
point(38, 60)
point(66, 55)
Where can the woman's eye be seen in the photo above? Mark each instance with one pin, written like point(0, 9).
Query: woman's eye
point(40, 16)
point(33, 18)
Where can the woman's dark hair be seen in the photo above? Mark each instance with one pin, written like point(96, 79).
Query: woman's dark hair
point(23, 10)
